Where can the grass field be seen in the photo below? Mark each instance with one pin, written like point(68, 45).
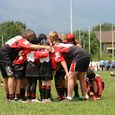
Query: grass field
point(105, 106)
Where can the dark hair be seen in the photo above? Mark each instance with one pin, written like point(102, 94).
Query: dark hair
point(91, 74)
point(34, 41)
point(42, 40)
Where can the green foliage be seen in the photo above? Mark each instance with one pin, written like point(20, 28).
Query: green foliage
point(94, 43)
point(104, 27)
point(10, 29)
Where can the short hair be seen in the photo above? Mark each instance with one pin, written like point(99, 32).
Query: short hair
point(91, 74)
point(29, 35)
point(28, 32)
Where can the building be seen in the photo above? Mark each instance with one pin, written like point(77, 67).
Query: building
point(106, 40)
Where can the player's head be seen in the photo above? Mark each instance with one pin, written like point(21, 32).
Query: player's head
point(29, 35)
point(71, 38)
point(42, 39)
point(90, 74)
point(53, 35)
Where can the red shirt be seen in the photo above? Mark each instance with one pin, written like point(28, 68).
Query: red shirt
point(56, 57)
point(22, 57)
point(18, 42)
point(10, 50)
point(99, 84)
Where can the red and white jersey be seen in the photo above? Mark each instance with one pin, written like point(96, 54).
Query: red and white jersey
point(41, 54)
point(71, 52)
point(99, 84)
point(98, 81)
point(18, 42)
point(44, 59)
point(11, 48)
point(56, 57)
point(30, 55)
point(20, 59)
point(37, 54)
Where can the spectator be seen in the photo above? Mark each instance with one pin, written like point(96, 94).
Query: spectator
point(102, 64)
point(107, 65)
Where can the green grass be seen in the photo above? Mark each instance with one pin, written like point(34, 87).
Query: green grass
point(105, 106)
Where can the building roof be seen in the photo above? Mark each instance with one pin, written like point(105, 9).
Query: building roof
point(106, 36)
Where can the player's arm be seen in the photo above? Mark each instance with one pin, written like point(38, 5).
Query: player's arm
point(32, 46)
point(64, 65)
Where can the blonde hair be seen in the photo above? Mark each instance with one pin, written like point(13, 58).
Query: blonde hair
point(53, 34)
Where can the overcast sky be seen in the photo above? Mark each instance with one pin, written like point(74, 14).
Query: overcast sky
point(47, 15)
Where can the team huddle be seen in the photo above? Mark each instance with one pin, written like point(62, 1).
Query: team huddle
point(26, 59)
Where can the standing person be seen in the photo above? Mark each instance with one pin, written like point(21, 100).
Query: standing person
point(79, 60)
point(102, 64)
point(19, 65)
point(60, 83)
point(32, 71)
point(107, 65)
point(70, 38)
point(8, 53)
point(59, 76)
point(45, 71)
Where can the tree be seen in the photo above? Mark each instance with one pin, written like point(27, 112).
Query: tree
point(94, 43)
point(10, 29)
point(104, 27)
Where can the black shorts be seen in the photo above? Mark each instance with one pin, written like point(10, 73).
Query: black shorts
point(32, 70)
point(60, 75)
point(7, 70)
point(19, 70)
point(45, 71)
point(81, 65)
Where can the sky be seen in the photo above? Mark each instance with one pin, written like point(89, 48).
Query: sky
point(43, 16)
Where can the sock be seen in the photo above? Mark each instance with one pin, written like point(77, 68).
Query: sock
point(76, 94)
point(18, 96)
point(58, 91)
point(22, 93)
point(65, 92)
point(47, 92)
point(11, 96)
point(29, 96)
point(43, 87)
point(33, 96)
point(7, 96)
point(62, 93)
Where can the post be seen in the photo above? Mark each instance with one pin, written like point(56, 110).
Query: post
point(89, 40)
point(71, 20)
point(100, 43)
point(112, 43)
point(79, 36)
point(2, 40)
